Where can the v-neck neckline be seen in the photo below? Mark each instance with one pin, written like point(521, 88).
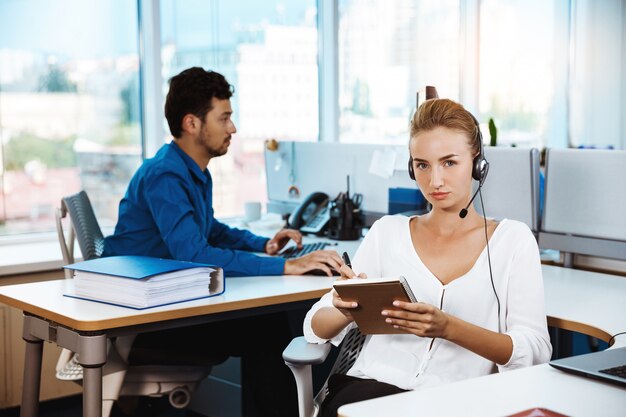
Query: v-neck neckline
point(483, 253)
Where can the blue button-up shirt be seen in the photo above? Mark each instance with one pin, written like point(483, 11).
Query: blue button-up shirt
point(167, 212)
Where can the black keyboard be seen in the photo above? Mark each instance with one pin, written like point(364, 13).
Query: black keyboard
point(294, 252)
point(619, 371)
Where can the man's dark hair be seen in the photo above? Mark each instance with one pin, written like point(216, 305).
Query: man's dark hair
point(191, 92)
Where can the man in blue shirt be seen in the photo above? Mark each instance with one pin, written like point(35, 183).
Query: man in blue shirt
point(167, 212)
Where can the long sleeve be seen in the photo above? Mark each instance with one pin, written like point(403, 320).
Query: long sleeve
point(167, 212)
point(365, 260)
point(181, 231)
point(525, 308)
point(401, 359)
point(233, 238)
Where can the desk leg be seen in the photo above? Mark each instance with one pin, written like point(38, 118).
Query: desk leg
point(32, 376)
point(92, 356)
point(92, 392)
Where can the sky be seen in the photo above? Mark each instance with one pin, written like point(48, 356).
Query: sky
point(198, 19)
point(70, 27)
point(97, 28)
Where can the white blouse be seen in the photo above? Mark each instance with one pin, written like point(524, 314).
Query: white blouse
point(409, 361)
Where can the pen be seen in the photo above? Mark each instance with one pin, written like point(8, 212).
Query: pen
point(346, 260)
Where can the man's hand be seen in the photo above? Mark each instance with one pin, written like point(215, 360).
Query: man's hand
point(275, 244)
point(320, 259)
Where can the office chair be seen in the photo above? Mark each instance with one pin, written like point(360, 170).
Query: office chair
point(299, 355)
point(128, 371)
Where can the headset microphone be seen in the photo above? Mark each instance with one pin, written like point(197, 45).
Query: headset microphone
point(463, 211)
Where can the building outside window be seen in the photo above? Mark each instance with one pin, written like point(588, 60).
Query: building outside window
point(70, 92)
point(268, 52)
point(387, 53)
point(520, 70)
point(69, 108)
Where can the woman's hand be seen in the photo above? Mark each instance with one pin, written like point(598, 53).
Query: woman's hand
point(425, 320)
point(346, 306)
point(327, 322)
point(347, 273)
point(421, 319)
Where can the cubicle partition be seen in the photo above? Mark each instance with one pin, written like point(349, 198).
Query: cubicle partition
point(321, 166)
point(510, 191)
point(585, 202)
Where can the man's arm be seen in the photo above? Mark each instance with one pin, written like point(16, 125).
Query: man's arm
point(233, 238)
point(175, 217)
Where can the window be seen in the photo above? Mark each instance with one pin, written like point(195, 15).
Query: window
point(69, 107)
point(268, 52)
point(523, 60)
point(388, 52)
point(597, 88)
point(550, 73)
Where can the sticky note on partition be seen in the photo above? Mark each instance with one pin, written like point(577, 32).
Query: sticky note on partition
point(383, 163)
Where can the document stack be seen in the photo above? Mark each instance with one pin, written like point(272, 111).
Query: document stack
point(141, 282)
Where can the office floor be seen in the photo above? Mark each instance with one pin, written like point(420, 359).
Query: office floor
point(72, 407)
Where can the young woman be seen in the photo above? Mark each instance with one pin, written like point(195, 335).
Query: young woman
point(481, 306)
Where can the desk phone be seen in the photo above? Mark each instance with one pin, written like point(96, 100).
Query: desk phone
point(312, 215)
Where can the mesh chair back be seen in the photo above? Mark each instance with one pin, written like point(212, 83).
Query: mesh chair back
point(350, 348)
point(85, 229)
point(84, 222)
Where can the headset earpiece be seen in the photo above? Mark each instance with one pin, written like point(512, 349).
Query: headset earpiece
point(479, 169)
point(480, 166)
point(411, 172)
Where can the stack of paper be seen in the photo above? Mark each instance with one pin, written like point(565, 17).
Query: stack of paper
point(142, 282)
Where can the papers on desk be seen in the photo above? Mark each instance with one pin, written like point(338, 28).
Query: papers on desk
point(141, 282)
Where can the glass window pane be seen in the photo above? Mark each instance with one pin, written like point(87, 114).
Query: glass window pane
point(388, 52)
point(597, 90)
point(268, 51)
point(69, 107)
point(517, 67)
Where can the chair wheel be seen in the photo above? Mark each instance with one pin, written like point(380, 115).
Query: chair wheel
point(180, 397)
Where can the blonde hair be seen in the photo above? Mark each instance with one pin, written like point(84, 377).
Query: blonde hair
point(442, 112)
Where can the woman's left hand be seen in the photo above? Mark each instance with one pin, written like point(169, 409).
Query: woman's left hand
point(421, 319)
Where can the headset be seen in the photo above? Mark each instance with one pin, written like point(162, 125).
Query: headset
point(480, 169)
point(481, 166)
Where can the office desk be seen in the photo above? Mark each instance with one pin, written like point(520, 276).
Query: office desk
point(587, 302)
point(84, 326)
point(582, 301)
point(500, 395)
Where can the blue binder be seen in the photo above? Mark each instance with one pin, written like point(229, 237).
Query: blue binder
point(107, 273)
point(134, 267)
